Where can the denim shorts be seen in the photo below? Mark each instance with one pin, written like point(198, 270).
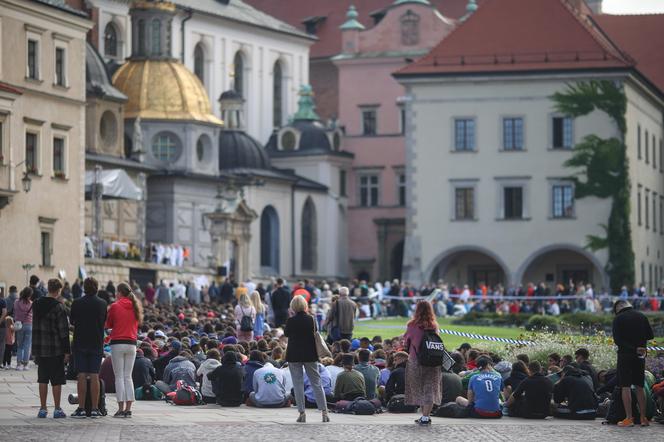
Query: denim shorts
point(87, 361)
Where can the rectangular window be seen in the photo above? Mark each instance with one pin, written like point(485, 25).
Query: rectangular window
point(401, 189)
point(369, 122)
point(402, 120)
point(46, 249)
point(31, 152)
point(646, 147)
point(58, 156)
point(464, 134)
point(646, 204)
point(654, 149)
point(33, 59)
point(369, 190)
point(513, 202)
point(513, 133)
point(342, 182)
point(60, 67)
point(2, 144)
point(638, 204)
point(563, 201)
point(661, 215)
point(661, 156)
point(562, 133)
point(464, 204)
point(638, 141)
point(654, 212)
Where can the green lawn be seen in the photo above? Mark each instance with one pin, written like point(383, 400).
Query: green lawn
point(389, 328)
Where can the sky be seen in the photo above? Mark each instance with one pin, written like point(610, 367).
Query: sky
point(632, 6)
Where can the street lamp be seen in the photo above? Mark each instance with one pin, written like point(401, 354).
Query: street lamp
point(27, 268)
point(26, 181)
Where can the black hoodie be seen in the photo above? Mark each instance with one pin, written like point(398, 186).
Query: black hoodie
point(50, 328)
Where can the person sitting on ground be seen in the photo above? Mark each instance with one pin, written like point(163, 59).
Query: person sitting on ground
point(582, 356)
point(269, 389)
point(143, 372)
point(472, 355)
point(256, 362)
point(227, 381)
point(350, 383)
point(212, 362)
point(553, 360)
point(483, 391)
point(370, 373)
point(173, 350)
point(518, 374)
point(578, 395)
point(452, 386)
point(179, 369)
point(532, 398)
point(554, 374)
point(396, 384)
point(335, 369)
point(325, 382)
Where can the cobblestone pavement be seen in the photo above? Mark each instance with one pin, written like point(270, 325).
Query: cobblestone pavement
point(157, 421)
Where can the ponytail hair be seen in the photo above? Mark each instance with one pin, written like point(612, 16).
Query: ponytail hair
point(126, 291)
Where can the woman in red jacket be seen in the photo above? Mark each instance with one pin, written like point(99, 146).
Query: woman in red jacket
point(124, 317)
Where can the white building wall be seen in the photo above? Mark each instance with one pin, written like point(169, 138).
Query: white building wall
point(433, 167)
point(644, 113)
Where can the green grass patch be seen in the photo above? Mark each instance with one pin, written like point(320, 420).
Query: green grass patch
point(389, 328)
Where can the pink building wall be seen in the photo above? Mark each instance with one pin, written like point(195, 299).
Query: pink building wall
point(365, 80)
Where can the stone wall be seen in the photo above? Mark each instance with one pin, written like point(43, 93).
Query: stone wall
point(117, 270)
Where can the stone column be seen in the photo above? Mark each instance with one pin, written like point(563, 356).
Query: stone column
point(142, 212)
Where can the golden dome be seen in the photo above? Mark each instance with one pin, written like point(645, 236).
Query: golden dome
point(163, 90)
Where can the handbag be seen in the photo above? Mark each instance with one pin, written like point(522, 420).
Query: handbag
point(321, 347)
point(18, 325)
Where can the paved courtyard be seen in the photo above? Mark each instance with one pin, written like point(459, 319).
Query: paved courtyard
point(159, 421)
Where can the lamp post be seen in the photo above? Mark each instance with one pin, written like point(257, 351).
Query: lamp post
point(27, 267)
point(26, 181)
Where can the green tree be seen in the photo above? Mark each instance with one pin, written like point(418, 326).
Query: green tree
point(602, 171)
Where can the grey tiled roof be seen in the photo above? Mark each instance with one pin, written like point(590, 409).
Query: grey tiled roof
point(61, 4)
point(238, 10)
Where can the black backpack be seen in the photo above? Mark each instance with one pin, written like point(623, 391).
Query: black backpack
point(101, 406)
point(360, 406)
point(397, 404)
point(246, 323)
point(432, 351)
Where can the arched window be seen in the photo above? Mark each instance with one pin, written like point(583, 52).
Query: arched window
point(199, 62)
point(277, 93)
point(238, 73)
point(270, 239)
point(111, 40)
point(309, 237)
point(155, 38)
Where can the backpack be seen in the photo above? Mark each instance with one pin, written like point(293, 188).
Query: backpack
point(432, 351)
point(616, 411)
point(101, 405)
point(360, 406)
point(184, 394)
point(397, 404)
point(246, 323)
point(452, 409)
point(148, 393)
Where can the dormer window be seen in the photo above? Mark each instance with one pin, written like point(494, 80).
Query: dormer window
point(410, 28)
point(288, 140)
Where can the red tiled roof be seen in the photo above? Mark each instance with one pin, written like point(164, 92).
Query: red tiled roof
point(641, 36)
point(334, 11)
point(522, 35)
point(11, 89)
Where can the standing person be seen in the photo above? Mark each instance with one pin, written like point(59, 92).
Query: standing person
point(88, 315)
point(259, 324)
point(245, 315)
point(302, 355)
point(631, 333)
point(23, 326)
point(37, 288)
point(150, 294)
point(423, 384)
point(280, 300)
point(11, 299)
point(124, 317)
point(164, 294)
point(3, 315)
point(10, 339)
point(342, 316)
point(50, 345)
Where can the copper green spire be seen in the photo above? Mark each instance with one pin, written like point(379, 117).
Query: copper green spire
point(306, 107)
point(351, 20)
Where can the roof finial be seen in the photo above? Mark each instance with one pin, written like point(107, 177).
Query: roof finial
point(306, 107)
point(470, 8)
point(351, 20)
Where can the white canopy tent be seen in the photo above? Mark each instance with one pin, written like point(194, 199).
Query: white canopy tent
point(116, 184)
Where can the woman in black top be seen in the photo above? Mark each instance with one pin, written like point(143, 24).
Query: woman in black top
point(302, 355)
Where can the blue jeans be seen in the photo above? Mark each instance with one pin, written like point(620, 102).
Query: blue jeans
point(24, 344)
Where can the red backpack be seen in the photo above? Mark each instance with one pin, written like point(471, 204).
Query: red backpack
point(184, 394)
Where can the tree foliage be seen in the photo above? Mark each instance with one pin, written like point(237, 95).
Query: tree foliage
point(601, 170)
